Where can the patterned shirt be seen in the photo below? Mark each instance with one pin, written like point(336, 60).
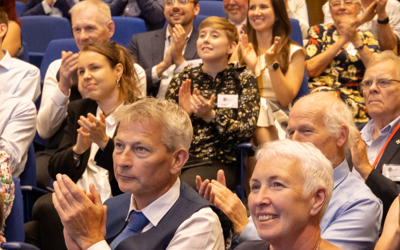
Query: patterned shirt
point(231, 126)
point(6, 188)
point(345, 72)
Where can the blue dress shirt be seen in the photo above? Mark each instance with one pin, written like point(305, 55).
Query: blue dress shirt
point(352, 219)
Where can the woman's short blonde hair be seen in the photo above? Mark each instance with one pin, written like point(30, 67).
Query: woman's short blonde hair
point(221, 24)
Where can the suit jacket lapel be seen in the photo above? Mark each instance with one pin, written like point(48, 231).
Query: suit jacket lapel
point(191, 48)
point(391, 150)
point(158, 46)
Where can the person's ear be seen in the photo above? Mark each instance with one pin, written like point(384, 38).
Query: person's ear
point(111, 28)
point(179, 158)
point(3, 31)
point(196, 9)
point(344, 135)
point(318, 201)
point(232, 47)
point(119, 70)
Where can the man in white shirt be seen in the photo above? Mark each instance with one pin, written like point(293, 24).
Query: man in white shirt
point(381, 18)
point(16, 77)
point(56, 8)
point(164, 52)
point(91, 21)
point(151, 148)
point(236, 12)
point(17, 129)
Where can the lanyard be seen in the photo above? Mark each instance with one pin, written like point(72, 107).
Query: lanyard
point(384, 146)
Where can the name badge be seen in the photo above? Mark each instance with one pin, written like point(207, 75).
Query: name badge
point(391, 171)
point(228, 101)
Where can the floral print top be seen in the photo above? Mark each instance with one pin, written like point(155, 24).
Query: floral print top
point(345, 72)
point(231, 126)
point(6, 188)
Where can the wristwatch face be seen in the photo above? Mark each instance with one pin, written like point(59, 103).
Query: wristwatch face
point(275, 66)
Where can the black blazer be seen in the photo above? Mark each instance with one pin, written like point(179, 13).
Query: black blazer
point(35, 7)
point(63, 162)
point(147, 50)
point(384, 188)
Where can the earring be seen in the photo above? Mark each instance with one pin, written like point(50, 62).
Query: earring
point(118, 84)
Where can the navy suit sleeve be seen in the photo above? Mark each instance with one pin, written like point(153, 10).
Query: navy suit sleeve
point(33, 7)
point(117, 7)
point(384, 188)
point(152, 11)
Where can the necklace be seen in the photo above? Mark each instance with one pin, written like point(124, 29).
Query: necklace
point(319, 242)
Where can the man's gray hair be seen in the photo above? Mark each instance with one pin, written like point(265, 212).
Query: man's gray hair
point(356, 1)
point(385, 56)
point(173, 120)
point(335, 114)
point(101, 7)
point(317, 170)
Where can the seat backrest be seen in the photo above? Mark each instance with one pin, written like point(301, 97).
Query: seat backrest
point(28, 176)
point(38, 31)
point(197, 21)
point(53, 52)
point(25, 52)
point(19, 7)
point(14, 230)
point(304, 90)
point(125, 28)
point(296, 35)
point(212, 8)
point(17, 246)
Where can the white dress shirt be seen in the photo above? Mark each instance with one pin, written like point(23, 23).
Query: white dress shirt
point(94, 173)
point(53, 108)
point(167, 75)
point(19, 78)
point(298, 10)
point(392, 10)
point(51, 10)
point(17, 129)
point(201, 231)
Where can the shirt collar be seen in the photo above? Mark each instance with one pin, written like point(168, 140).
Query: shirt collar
point(367, 132)
point(158, 208)
point(340, 173)
point(6, 61)
point(109, 119)
point(244, 22)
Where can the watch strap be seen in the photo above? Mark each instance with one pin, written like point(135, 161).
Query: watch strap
point(384, 21)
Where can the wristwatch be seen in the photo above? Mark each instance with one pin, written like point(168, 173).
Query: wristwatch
point(384, 21)
point(274, 66)
point(360, 47)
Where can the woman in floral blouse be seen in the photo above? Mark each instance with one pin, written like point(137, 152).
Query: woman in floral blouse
point(6, 189)
point(222, 101)
point(337, 55)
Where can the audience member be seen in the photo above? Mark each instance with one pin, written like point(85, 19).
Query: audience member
point(378, 146)
point(149, 10)
point(17, 129)
point(151, 148)
point(337, 55)
point(17, 77)
point(236, 12)
point(85, 152)
point(91, 21)
point(290, 190)
point(222, 101)
point(353, 216)
point(56, 8)
point(162, 53)
point(390, 238)
point(6, 190)
point(276, 60)
point(383, 15)
point(12, 41)
point(297, 9)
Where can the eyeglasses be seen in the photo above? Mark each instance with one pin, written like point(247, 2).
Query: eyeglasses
point(347, 3)
point(181, 2)
point(381, 83)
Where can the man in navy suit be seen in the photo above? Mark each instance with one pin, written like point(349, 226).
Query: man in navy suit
point(376, 156)
point(157, 211)
point(162, 53)
point(57, 8)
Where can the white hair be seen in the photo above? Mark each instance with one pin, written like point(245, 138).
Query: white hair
point(385, 56)
point(316, 168)
point(335, 114)
point(175, 122)
point(102, 9)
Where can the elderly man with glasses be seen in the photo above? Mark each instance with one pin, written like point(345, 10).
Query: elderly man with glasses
point(164, 52)
point(376, 155)
point(382, 15)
